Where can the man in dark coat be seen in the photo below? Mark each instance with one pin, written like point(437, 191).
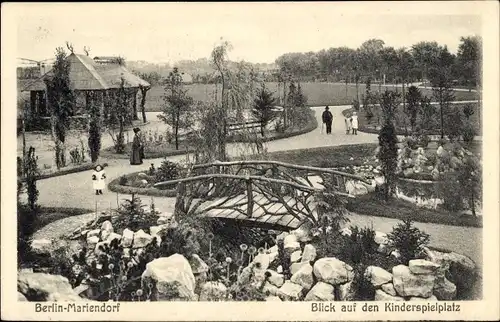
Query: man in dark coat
point(137, 153)
point(327, 120)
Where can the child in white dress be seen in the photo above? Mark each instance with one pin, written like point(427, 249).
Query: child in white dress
point(99, 179)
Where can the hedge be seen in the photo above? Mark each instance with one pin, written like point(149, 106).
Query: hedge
point(115, 186)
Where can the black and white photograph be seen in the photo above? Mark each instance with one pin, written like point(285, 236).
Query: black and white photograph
point(324, 153)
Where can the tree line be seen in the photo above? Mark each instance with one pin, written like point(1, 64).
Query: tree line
point(386, 64)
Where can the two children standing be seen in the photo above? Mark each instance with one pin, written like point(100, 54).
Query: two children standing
point(351, 123)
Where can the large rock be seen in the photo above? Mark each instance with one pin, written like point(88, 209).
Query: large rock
point(42, 246)
point(290, 291)
point(381, 238)
point(408, 284)
point(262, 260)
point(302, 234)
point(346, 292)
point(356, 188)
point(155, 230)
point(94, 232)
point(291, 243)
point(377, 275)
point(294, 268)
point(389, 289)
point(304, 277)
point(108, 226)
point(92, 241)
point(275, 278)
point(213, 291)
point(114, 236)
point(309, 254)
point(422, 266)
point(444, 289)
point(198, 266)
point(296, 256)
point(270, 289)
point(141, 239)
point(172, 277)
point(127, 237)
point(383, 296)
point(333, 271)
point(41, 287)
point(321, 292)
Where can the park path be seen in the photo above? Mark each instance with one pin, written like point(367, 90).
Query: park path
point(75, 190)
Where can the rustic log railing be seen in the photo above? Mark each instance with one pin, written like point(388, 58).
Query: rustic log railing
point(255, 190)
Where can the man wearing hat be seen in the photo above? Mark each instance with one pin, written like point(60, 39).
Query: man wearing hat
point(327, 120)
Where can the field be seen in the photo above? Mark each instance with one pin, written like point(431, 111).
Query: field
point(317, 93)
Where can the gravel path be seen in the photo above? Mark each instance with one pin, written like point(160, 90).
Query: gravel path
point(75, 190)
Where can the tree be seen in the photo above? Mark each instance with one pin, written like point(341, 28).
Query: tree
point(177, 105)
point(61, 101)
point(413, 97)
point(119, 114)
point(428, 112)
point(219, 60)
point(470, 179)
point(263, 107)
point(95, 128)
point(441, 81)
point(370, 56)
point(469, 58)
point(425, 54)
point(387, 138)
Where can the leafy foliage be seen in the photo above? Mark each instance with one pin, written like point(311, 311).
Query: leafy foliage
point(132, 215)
point(263, 107)
point(168, 170)
point(408, 240)
point(413, 97)
point(95, 128)
point(387, 155)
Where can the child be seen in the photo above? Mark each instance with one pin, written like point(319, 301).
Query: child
point(98, 178)
point(347, 122)
point(354, 123)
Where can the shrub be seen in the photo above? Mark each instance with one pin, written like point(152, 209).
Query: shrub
point(123, 181)
point(408, 240)
point(449, 188)
point(180, 240)
point(131, 215)
point(168, 170)
point(468, 133)
point(387, 155)
point(362, 286)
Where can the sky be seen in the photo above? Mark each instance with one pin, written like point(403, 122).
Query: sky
point(258, 32)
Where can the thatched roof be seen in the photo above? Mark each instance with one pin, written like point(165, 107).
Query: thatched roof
point(86, 74)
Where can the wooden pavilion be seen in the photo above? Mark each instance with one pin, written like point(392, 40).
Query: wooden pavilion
point(97, 79)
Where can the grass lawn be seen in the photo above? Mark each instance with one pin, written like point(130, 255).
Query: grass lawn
point(317, 93)
point(371, 205)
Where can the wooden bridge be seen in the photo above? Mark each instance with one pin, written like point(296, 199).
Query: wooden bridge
point(265, 194)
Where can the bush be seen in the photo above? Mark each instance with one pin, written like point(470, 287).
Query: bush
point(450, 190)
point(123, 181)
point(168, 170)
point(132, 215)
point(468, 133)
point(408, 240)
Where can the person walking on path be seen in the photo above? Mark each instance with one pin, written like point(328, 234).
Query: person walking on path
point(98, 179)
point(137, 153)
point(347, 122)
point(354, 123)
point(327, 120)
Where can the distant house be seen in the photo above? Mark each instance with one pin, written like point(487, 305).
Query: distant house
point(99, 75)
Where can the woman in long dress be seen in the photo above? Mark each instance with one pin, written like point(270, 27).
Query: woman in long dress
point(137, 153)
point(98, 179)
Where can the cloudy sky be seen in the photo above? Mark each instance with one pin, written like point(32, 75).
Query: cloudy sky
point(259, 32)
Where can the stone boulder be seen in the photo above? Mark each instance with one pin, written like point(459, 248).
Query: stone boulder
point(444, 289)
point(141, 239)
point(302, 234)
point(346, 292)
point(321, 292)
point(270, 289)
point(389, 289)
point(333, 271)
point(355, 188)
point(381, 238)
point(155, 230)
point(262, 260)
point(42, 246)
point(92, 241)
point(275, 278)
point(94, 232)
point(294, 268)
point(290, 291)
point(304, 277)
point(422, 266)
point(296, 256)
point(408, 284)
point(309, 254)
point(213, 291)
point(291, 244)
point(377, 275)
point(108, 226)
point(42, 287)
point(127, 237)
point(383, 296)
point(172, 277)
point(113, 236)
